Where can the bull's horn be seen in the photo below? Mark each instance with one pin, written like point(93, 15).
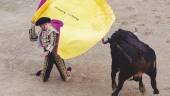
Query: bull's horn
point(105, 42)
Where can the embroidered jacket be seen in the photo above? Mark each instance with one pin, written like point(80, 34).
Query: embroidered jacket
point(47, 39)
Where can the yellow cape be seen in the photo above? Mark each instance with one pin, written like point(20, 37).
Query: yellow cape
point(85, 23)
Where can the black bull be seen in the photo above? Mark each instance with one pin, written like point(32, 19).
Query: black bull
point(131, 57)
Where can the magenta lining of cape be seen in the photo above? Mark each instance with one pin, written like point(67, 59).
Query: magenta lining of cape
point(57, 24)
point(41, 3)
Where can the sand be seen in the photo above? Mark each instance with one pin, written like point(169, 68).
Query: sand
point(20, 58)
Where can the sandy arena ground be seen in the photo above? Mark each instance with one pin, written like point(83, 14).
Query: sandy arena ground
point(20, 59)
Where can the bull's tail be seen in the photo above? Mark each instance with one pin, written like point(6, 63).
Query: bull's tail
point(155, 64)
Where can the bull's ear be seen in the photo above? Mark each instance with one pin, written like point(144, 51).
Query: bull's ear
point(120, 29)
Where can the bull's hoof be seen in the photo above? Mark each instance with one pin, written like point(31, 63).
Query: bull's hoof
point(156, 91)
point(142, 89)
point(114, 94)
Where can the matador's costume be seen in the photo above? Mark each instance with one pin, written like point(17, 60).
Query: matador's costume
point(48, 40)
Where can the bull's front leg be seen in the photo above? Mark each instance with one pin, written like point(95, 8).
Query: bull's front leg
point(123, 76)
point(113, 76)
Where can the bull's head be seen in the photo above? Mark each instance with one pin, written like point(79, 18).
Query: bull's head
point(116, 37)
point(111, 40)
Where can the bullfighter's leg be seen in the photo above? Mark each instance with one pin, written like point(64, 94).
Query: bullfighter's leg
point(65, 73)
point(141, 86)
point(123, 76)
point(48, 65)
point(152, 74)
